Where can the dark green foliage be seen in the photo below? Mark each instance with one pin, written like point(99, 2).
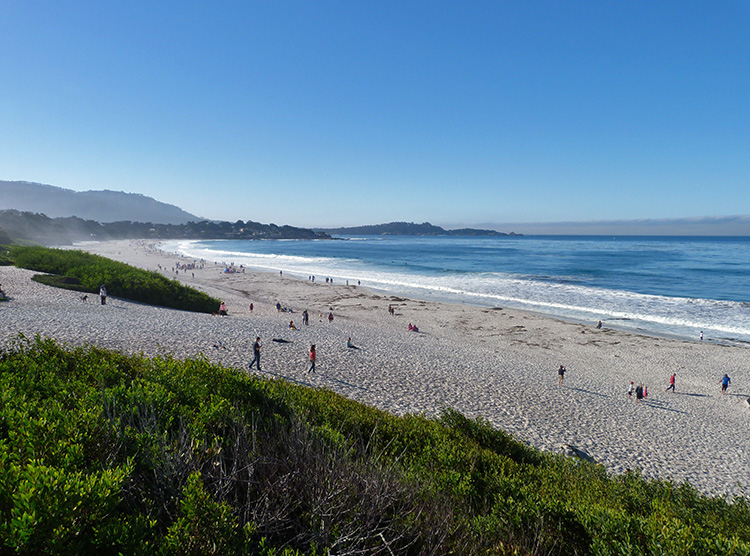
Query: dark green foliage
point(5, 258)
point(102, 453)
point(5, 238)
point(83, 271)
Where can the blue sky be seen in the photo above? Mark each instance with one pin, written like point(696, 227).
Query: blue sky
point(342, 113)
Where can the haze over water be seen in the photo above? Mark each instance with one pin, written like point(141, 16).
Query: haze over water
point(660, 285)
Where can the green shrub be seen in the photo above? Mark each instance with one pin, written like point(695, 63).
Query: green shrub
point(102, 452)
point(121, 280)
point(5, 258)
point(203, 526)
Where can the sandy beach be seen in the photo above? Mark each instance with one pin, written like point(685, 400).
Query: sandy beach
point(496, 363)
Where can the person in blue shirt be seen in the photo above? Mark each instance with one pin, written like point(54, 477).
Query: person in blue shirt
point(725, 382)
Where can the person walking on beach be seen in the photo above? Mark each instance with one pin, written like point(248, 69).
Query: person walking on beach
point(103, 294)
point(312, 359)
point(631, 389)
point(305, 318)
point(725, 382)
point(560, 375)
point(256, 353)
point(671, 383)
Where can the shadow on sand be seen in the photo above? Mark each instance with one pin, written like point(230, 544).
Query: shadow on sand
point(660, 405)
point(287, 377)
point(305, 383)
point(349, 384)
point(588, 392)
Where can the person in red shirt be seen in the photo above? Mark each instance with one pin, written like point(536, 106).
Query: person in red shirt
point(312, 359)
point(671, 383)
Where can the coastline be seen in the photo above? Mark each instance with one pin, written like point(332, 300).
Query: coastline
point(385, 263)
point(496, 363)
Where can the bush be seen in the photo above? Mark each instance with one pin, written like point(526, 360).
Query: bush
point(5, 258)
point(121, 280)
point(106, 453)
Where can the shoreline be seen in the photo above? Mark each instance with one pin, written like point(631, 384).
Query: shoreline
point(639, 324)
point(496, 363)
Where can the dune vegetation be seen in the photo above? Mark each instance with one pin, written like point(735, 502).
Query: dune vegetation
point(105, 453)
point(81, 271)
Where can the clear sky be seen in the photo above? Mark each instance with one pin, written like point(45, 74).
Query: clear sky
point(318, 113)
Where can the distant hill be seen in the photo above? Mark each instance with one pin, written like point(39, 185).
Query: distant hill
point(410, 229)
point(101, 206)
point(30, 227)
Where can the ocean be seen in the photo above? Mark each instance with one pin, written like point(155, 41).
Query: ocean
point(667, 286)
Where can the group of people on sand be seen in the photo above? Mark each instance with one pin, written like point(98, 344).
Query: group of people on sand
point(312, 355)
point(640, 391)
point(311, 278)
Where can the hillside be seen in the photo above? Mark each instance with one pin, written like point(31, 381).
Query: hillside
point(102, 206)
point(29, 227)
point(106, 453)
point(410, 229)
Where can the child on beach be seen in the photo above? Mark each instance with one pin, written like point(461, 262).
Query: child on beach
point(561, 375)
point(671, 383)
point(725, 382)
point(312, 359)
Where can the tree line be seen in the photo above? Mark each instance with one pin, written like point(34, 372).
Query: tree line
point(38, 228)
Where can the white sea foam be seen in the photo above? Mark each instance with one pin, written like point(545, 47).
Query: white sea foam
point(680, 316)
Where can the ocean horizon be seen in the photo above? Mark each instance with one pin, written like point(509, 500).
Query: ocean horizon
point(662, 285)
